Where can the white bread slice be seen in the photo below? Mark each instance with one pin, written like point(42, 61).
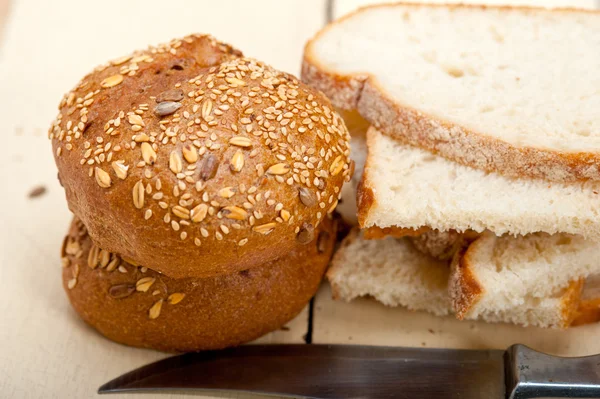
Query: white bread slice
point(441, 245)
point(395, 274)
point(408, 187)
point(391, 271)
point(503, 278)
point(357, 127)
point(521, 99)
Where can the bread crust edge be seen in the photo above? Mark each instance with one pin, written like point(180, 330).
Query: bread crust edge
point(362, 91)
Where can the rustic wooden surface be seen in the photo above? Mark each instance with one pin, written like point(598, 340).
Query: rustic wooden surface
point(45, 47)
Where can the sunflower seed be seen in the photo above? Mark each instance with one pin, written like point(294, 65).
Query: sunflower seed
point(209, 167)
point(148, 154)
point(138, 195)
point(240, 141)
point(166, 108)
point(278, 169)
point(170, 95)
point(307, 197)
point(154, 311)
point(235, 213)
point(175, 298)
point(102, 178)
point(144, 284)
point(111, 81)
point(120, 291)
point(199, 213)
point(306, 233)
point(120, 169)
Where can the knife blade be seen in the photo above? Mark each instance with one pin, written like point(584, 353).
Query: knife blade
point(352, 371)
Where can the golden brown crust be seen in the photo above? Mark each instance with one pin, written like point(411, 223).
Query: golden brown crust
point(365, 198)
point(363, 92)
point(464, 288)
point(379, 233)
point(195, 162)
point(587, 312)
point(140, 307)
point(570, 302)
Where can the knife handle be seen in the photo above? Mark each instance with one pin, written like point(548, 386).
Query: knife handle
point(532, 374)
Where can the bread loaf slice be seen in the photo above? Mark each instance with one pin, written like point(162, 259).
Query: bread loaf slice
point(407, 187)
point(531, 282)
point(514, 278)
point(522, 99)
point(392, 271)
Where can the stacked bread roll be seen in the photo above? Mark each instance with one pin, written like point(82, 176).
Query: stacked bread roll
point(203, 185)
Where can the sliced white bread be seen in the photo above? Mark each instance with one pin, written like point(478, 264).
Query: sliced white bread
point(407, 187)
point(441, 245)
point(504, 278)
point(357, 127)
point(392, 271)
point(540, 287)
point(513, 90)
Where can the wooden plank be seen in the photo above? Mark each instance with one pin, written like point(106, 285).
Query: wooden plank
point(47, 351)
point(366, 321)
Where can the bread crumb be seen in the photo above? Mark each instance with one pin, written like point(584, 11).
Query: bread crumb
point(37, 192)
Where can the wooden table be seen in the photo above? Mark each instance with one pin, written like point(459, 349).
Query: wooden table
point(45, 350)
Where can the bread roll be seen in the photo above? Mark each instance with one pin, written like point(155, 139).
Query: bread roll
point(195, 162)
point(139, 307)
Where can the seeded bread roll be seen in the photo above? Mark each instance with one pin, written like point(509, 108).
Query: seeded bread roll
point(139, 307)
point(195, 162)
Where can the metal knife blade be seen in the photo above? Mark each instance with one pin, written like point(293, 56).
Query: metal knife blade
point(326, 371)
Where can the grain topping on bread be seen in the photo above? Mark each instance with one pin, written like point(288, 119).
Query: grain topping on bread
point(195, 161)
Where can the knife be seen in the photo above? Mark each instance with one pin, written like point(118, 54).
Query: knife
point(352, 371)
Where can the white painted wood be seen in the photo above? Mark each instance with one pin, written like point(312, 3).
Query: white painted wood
point(367, 322)
point(47, 46)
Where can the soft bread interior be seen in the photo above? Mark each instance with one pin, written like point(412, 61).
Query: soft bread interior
point(503, 284)
point(506, 84)
point(407, 187)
